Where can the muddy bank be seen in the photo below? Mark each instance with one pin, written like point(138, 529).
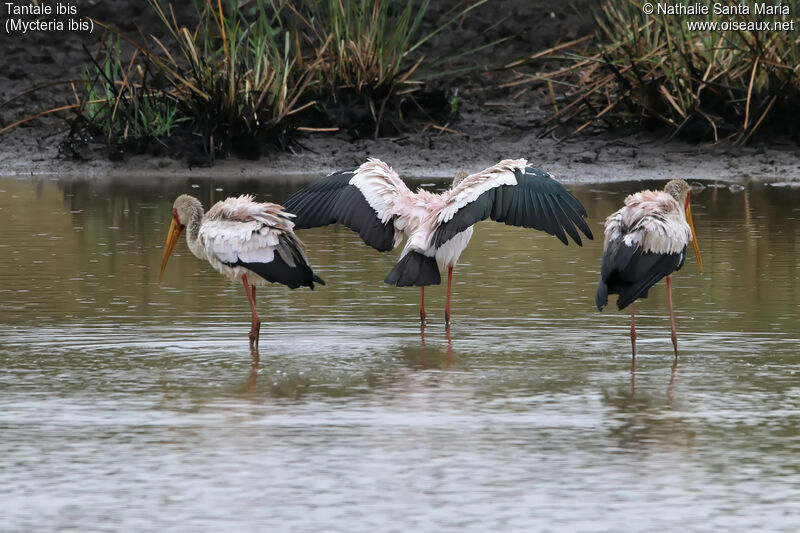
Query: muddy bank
point(440, 155)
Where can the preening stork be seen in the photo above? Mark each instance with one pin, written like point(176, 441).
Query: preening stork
point(243, 240)
point(645, 241)
point(374, 201)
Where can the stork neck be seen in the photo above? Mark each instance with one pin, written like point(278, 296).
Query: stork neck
point(193, 230)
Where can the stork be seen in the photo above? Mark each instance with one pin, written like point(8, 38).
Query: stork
point(242, 240)
point(372, 200)
point(645, 241)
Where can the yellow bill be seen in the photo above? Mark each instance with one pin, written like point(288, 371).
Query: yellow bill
point(694, 237)
point(175, 230)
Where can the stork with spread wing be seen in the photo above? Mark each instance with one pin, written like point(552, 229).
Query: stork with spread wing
point(373, 201)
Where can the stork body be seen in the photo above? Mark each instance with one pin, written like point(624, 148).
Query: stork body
point(242, 240)
point(375, 202)
point(645, 241)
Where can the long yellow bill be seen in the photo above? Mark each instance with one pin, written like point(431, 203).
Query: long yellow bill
point(694, 237)
point(175, 230)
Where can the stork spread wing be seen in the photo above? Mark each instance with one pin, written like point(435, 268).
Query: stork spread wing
point(364, 199)
point(517, 194)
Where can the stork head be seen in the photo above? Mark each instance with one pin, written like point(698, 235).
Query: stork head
point(185, 209)
point(459, 177)
point(682, 192)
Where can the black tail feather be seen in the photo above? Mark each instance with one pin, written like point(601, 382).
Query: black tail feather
point(601, 298)
point(631, 292)
point(414, 269)
point(630, 272)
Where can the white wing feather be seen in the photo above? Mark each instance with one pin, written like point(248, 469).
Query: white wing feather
point(652, 220)
point(230, 241)
point(242, 229)
point(383, 189)
point(471, 187)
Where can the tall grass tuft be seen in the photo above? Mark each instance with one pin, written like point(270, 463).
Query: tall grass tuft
point(370, 43)
point(659, 70)
point(370, 50)
point(119, 101)
point(233, 79)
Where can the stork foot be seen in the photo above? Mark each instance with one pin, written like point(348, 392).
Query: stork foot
point(447, 317)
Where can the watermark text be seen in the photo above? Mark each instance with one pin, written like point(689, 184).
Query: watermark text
point(727, 16)
point(55, 16)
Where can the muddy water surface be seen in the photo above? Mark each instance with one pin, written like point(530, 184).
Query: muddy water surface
point(129, 406)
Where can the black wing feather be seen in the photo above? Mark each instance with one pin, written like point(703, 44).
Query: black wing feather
point(552, 213)
point(517, 209)
point(566, 222)
point(536, 201)
point(279, 271)
point(332, 199)
point(539, 220)
point(576, 216)
point(313, 205)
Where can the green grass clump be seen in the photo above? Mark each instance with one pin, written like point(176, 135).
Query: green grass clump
point(123, 107)
point(239, 77)
point(369, 51)
point(233, 79)
point(660, 70)
point(369, 44)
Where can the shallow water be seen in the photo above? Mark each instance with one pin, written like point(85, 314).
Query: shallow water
point(129, 406)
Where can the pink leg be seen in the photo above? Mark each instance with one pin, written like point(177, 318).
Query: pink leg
point(255, 325)
point(672, 316)
point(422, 313)
point(633, 328)
point(447, 305)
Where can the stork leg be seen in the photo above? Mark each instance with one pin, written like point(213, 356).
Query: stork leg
point(447, 305)
point(255, 324)
point(257, 320)
point(672, 316)
point(422, 313)
point(633, 328)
